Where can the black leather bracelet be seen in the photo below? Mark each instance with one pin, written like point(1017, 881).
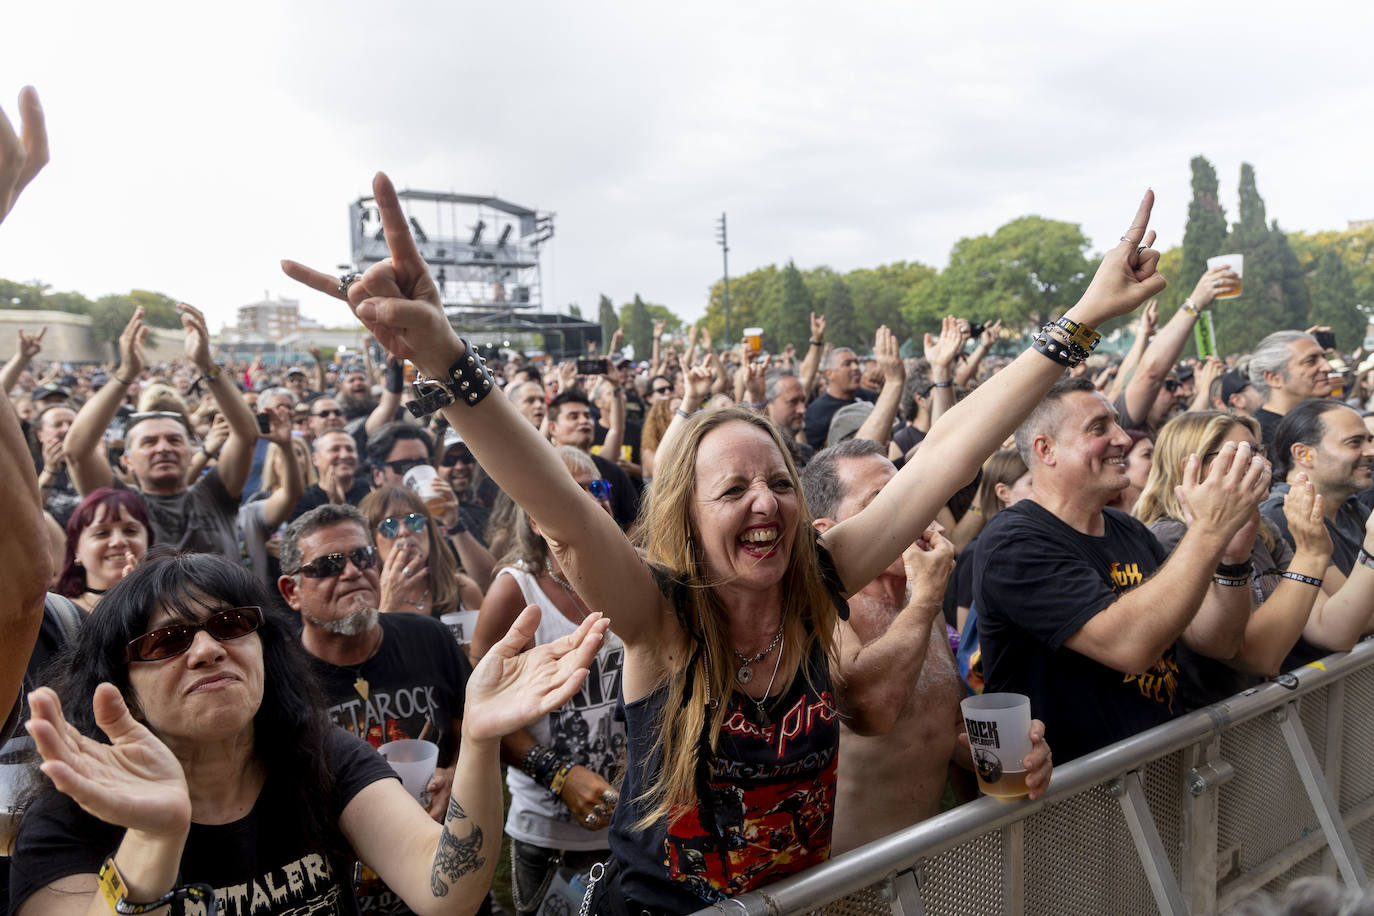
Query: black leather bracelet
point(1234, 570)
point(1054, 350)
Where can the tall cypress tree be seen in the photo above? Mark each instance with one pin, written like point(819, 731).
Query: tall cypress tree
point(608, 319)
point(1263, 306)
point(793, 322)
point(1333, 301)
point(1203, 237)
point(640, 332)
point(841, 327)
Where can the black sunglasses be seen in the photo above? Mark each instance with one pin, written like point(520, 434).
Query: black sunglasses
point(331, 564)
point(390, 527)
point(169, 642)
point(455, 455)
point(664, 390)
point(401, 466)
point(1171, 385)
point(327, 412)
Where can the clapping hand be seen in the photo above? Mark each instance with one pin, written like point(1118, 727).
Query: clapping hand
point(133, 782)
point(131, 340)
point(1302, 509)
point(943, 352)
point(509, 688)
point(887, 351)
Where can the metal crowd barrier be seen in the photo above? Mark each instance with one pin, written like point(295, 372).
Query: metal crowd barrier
point(1273, 784)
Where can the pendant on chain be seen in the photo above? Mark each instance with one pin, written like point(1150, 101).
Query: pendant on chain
point(745, 674)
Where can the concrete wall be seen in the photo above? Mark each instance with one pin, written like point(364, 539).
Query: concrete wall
point(69, 338)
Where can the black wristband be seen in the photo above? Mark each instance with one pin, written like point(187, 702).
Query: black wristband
point(1229, 581)
point(947, 383)
point(395, 377)
point(1234, 570)
point(1299, 577)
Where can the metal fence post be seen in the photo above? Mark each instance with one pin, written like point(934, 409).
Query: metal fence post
point(1335, 731)
point(1203, 772)
point(1130, 792)
point(1014, 869)
point(1319, 793)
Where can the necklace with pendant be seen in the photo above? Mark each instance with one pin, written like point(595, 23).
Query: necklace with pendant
point(745, 674)
point(361, 685)
point(760, 715)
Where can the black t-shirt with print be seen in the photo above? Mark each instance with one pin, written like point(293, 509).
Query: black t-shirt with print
point(1037, 581)
point(412, 688)
point(258, 865)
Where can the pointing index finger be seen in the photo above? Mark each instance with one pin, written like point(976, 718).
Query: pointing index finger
point(1136, 233)
point(398, 239)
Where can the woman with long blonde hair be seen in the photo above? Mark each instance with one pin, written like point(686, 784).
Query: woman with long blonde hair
point(1280, 577)
point(736, 672)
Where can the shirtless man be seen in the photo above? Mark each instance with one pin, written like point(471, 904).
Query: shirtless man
point(889, 782)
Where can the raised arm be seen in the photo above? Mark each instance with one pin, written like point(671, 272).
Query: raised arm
point(812, 361)
point(615, 433)
point(985, 341)
point(1163, 351)
point(963, 438)
point(288, 493)
point(606, 568)
point(318, 357)
point(1145, 329)
point(28, 346)
point(385, 411)
point(84, 444)
point(236, 458)
point(878, 425)
point(941, 354)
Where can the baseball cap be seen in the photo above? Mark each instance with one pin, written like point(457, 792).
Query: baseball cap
point(1233, 382)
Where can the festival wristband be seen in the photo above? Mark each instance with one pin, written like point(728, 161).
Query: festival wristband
point(113, 889)
point(1299, 577)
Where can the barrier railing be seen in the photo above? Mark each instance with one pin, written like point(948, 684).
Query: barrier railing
point(1273, 784)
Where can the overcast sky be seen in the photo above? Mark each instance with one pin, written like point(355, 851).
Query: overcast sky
point(194, 149)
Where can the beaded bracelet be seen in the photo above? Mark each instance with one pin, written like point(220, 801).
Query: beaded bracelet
point(1299, 577)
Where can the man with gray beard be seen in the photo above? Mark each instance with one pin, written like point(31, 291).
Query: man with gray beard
point(385, 676)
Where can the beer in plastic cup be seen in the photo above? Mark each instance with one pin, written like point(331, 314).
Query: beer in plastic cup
point(753, 340)
point(422, 479)
point(414, 761)
point(999, 738)
point(1237, 264)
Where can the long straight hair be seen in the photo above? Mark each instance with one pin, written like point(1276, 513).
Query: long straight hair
point(702, 675)
point(443, 568)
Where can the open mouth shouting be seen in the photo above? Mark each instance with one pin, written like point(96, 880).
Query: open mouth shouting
point(760, 540)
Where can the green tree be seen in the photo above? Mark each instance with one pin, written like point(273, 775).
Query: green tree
point(639, 329)
point(1333, 301)
point(841, 327)
point(68, 302)
point(15, 295)
point(607, 318)
point(1356, 250)
point(1025, 273)
point(159, 311)
point(752, 304)
point(671, 323)
point(1203, 237)
point(879, 292)
point(1274, 296)
point(574, 310)
point(788, 320)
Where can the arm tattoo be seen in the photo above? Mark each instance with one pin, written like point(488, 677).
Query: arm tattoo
point(455, 858)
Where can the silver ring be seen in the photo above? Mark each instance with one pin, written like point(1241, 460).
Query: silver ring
point(405, 570)
point(1140, 248)
point(1124, 239)
point(590, 820)
point(610, 797)
point(347, 280)
point(600, 811)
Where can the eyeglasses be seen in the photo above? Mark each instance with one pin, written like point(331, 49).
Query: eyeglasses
point(327, 412)
point(1171, 385)
point(169, 642)
point(663, 390)
point(390, 527)
point(401, 466)
point(456, 455)
point(599, 489)
point(331, 564)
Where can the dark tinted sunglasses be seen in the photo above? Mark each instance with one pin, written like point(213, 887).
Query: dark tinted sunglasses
point(403, 465)
point(171, 641)
point(1171, 385)
point(327, 412)
point(599, 489)
point(663, 390)
point(331, 564)
point(390, 527)
point(456, 455)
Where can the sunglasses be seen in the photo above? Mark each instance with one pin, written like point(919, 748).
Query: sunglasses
point(328, 412)
point(169, 642)
point(599, 489)
point(402, 465)
point(455, 455)
point(1171, 385)
point(390, 527)
point(664, 390)
point(331, 564)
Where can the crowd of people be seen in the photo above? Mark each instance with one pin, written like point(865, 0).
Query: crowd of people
point(714, 610)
